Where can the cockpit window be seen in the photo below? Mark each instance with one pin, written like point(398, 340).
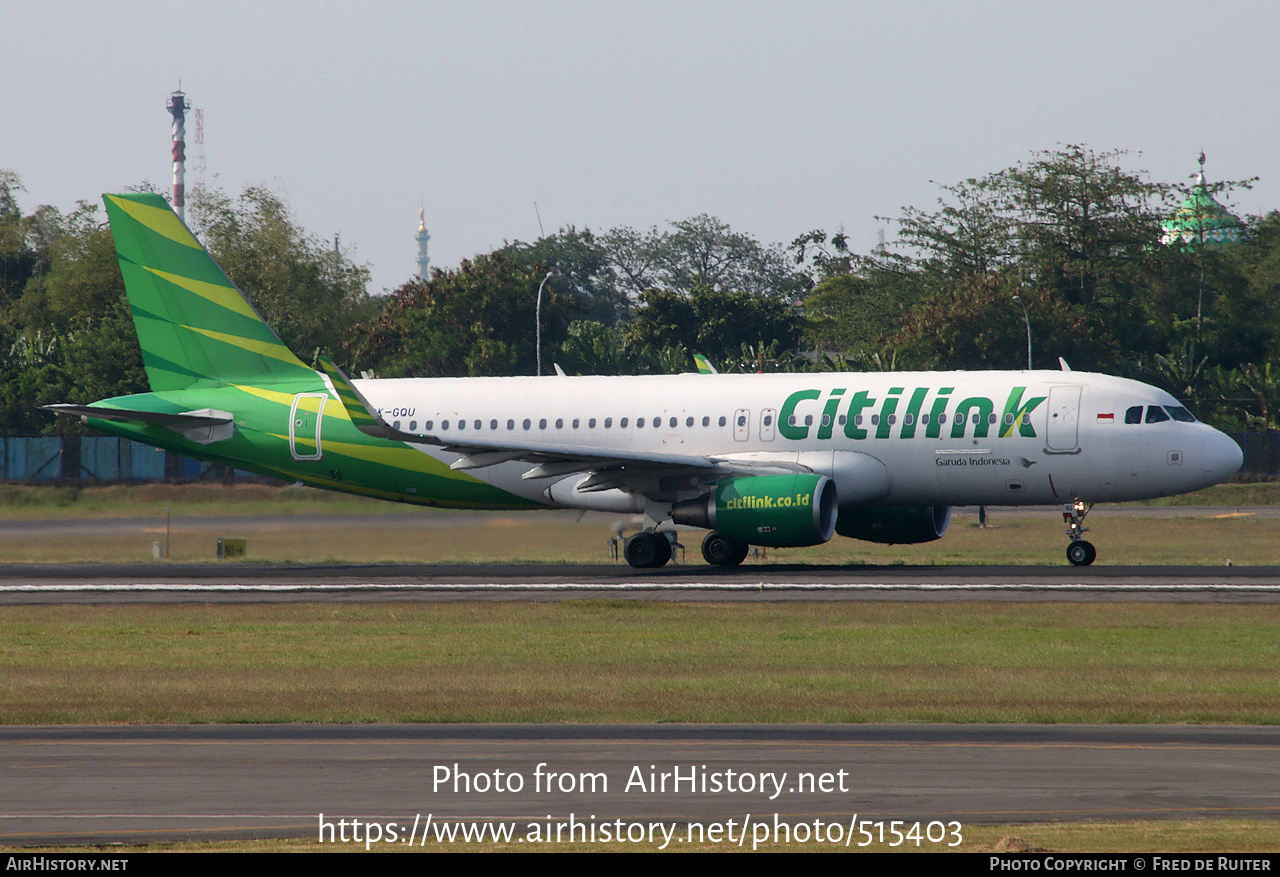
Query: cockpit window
point(1133, 415)
point(1155, 414)
point(1180, 414)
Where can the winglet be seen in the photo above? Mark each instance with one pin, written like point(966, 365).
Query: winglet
point(704, 365)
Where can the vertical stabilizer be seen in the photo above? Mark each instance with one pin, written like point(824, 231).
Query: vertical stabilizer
point(194, 325)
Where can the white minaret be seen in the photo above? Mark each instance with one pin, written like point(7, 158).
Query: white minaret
point(423, 238)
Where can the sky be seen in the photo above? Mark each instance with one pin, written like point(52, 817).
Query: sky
point(507, 119)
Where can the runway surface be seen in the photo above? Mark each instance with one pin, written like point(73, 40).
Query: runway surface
point(146, 783)
point(248, 582)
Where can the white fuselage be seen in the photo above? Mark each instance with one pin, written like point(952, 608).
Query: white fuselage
point(892, 439)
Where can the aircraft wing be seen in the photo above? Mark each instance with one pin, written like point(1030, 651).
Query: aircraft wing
point(609, 467)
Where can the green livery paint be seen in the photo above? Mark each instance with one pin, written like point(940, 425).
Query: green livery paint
point(195, 327)
point(975, 411)
point(206, 349)
point(1021, 412)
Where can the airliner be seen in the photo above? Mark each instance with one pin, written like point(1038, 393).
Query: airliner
point(767, 460)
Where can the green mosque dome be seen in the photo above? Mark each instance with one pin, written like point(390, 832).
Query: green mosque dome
point(1200, 218)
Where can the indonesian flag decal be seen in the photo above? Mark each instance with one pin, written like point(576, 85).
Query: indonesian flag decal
point(1109, 417)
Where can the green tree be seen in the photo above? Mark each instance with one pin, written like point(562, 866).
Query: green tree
point(310, 293)
point(477, 319)
point(581, 271)
point(699, 252)
point(713, 322)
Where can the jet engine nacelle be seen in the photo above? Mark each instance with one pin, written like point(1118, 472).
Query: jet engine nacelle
point(777, 511)
point(895, 526)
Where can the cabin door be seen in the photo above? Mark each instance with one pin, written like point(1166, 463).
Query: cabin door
point(1062, 436)
point(304, 426)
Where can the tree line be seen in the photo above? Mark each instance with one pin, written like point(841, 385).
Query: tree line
point(1072, 233)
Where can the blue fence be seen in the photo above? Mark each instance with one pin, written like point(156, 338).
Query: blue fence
point(100, 459)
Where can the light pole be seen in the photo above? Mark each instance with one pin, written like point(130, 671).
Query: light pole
point(539, 320)
point(1018, 299)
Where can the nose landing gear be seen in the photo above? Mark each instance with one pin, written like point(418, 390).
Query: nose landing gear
point(1079, 552)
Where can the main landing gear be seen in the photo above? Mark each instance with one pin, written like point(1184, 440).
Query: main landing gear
point(647, 550)
point(1079, 552)
point(721, 550)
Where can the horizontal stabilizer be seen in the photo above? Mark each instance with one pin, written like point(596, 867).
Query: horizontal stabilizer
point(187, 418)
point(204, 426)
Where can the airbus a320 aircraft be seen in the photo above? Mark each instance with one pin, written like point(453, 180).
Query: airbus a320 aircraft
point(768, 460)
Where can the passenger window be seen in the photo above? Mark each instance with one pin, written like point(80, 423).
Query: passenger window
point(444, 424)
point(722, 420)
point(843, 419)
point(395, 425)
point(542, 423)
point(875, 419)
point(608, 422)
point(924, 418)
point(1008, 420)
point(559, 423)
point(893, 418)
point(1155, 414)
point(493, 424)
point(908, 419)
point(476, 424)
point(591, 424)
point(623, 423)
point(576, 422)
point(742, 420)
point(1133, 415)
point(657, 422)
point(511, 424)
point(526, 423)
point(826, 420)
point(991, 418)
point(706, 421)
point(674, 423)
point(808, 420)
point(688, 421)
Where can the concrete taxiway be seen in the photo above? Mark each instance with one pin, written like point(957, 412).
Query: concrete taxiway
point(247, 582)
point(135, 784)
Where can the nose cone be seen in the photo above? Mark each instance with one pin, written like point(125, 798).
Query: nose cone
point(1222, 457)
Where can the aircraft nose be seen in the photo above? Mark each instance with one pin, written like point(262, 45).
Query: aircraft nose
point(1222, 457)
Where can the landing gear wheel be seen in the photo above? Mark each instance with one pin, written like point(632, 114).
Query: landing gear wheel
point(1081, 553)
point(647, 550)
point(721, 550)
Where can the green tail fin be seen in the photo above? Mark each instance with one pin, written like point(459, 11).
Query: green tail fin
point(194, 326)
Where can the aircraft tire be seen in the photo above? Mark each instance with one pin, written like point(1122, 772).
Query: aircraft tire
point(647, 550)
point(1081, 553)
point(721, 550)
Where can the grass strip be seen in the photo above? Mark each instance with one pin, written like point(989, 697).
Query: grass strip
point(622, 661)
